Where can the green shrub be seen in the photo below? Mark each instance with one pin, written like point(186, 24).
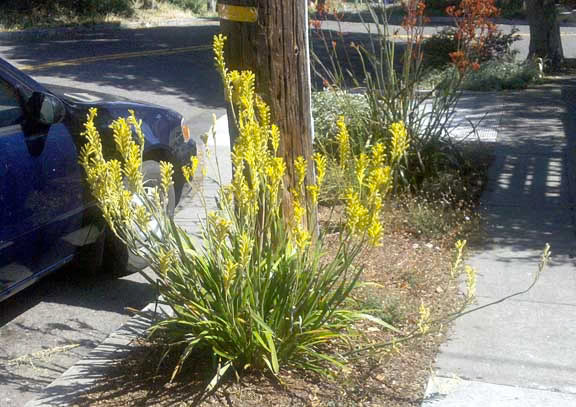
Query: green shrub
point(328, 106)
point(495, 75)
point(193, 5)
point(438, 47)
point(261, 292)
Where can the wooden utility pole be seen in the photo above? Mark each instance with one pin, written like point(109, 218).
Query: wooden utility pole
point(270, 38)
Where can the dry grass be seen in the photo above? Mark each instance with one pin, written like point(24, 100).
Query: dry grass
point(45, 18)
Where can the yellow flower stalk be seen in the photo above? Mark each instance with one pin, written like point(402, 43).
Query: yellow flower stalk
point(314, 191)
point(165, 260)
point(470, 282)
point(378, 155)
point(189, 170)
point(167, 174)
point(424, 319)
point(400, 142)
point(361, 167)
point(320, 161)
point(343, 139)
point(375, 231)
point(302, 238)
point(230, 273)
point(275, 138)
point(300, 165)
point(245, 249)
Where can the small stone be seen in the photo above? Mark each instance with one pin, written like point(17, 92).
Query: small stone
point(439, 290)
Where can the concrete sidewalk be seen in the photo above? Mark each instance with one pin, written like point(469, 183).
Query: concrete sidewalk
point(521, 352)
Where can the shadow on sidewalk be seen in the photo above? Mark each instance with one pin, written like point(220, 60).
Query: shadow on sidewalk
point(529, 196)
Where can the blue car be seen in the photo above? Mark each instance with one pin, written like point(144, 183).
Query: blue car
point(47, 217)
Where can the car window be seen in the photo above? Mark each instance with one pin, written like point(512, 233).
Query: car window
point(10, 110)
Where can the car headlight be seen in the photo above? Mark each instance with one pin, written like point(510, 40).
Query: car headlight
point(185, 131)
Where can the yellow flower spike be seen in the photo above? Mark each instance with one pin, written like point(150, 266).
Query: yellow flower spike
point(400, 142)
point(230, 273)
point(424, 319)
point(190, 170)
point(470, 282)
point(142, 218)
point(219, 225)
point(132, 168)
point(356, 213)
point(166, 174)
point(301, 166)
point(114, 176)
point(361, 167)
point(245, 249)
point(275, 138)
point(380, 179)
point(125, 207)
point(302, 238)
point(165, 260)
point(122, 137)
point(375, 231)
point(188, 175)
point(218, 46)
point(137, 124)
point(299, 210)
point(314, 191)
point(457, 263)
point(263, 112)
point(378, 155)
point(343, 139)
point(320, 161)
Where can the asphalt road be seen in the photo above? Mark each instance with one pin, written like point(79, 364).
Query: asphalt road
point(46, 328)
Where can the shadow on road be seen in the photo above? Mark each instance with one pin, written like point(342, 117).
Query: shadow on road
point(188, 75)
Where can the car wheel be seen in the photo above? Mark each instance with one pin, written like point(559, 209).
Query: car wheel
point(118, 260)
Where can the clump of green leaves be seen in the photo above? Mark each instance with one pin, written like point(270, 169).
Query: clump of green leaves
point(259, 292)
point(331, 104)
point(492, 76)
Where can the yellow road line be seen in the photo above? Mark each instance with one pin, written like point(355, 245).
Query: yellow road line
point(109, 57)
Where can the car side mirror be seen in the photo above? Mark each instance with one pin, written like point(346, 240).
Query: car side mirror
point(45, 108)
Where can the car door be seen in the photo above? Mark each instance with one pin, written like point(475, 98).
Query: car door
point(41, 194)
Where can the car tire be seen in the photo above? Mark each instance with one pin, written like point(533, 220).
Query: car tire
point(117, 259)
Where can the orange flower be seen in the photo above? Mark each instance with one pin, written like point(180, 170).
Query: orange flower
point(316, 24)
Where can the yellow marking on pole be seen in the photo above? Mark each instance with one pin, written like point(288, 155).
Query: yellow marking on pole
point(241, 14)
point(110, 57)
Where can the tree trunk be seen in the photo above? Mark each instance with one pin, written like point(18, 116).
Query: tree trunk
point(211, 5)
point(545, 40)
point(275, 48)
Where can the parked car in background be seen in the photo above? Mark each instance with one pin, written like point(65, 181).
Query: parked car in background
point(47, 217)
